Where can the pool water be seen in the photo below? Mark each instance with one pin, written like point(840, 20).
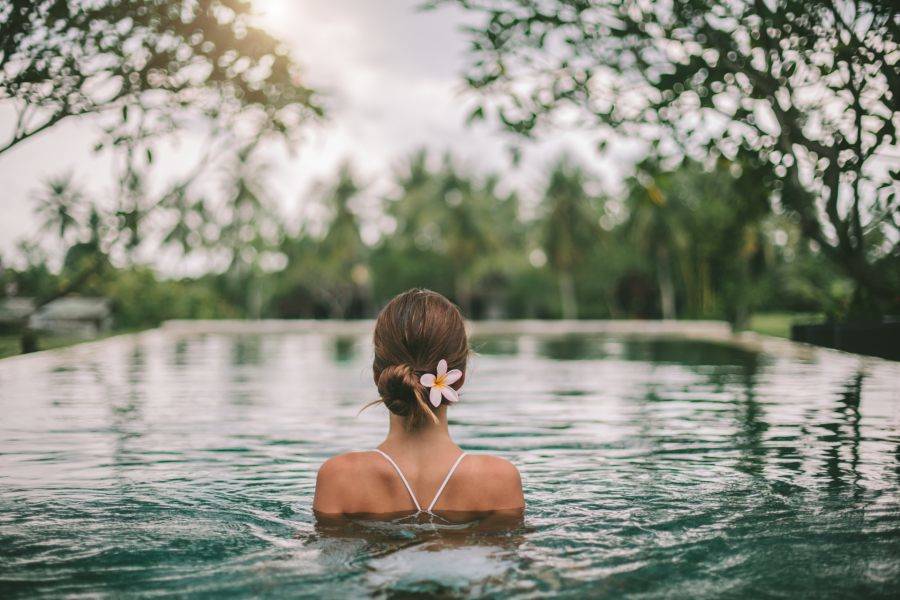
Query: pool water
point(653, 467)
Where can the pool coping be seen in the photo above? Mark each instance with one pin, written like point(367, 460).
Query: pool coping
point(485, 327)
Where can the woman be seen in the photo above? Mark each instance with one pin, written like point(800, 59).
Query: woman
point(420, 362)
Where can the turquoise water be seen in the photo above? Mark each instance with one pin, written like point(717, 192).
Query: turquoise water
point(185, 464)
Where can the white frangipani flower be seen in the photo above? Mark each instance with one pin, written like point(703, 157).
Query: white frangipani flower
point(440, 384)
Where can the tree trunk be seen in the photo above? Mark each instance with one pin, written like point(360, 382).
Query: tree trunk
point(28, 341)
point(666, 285)
point(738, 299)
point(463, 296)
point(567, 295)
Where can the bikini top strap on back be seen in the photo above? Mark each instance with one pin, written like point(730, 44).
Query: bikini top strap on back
point(409, 487)
point(446, 479)
point(402, 478)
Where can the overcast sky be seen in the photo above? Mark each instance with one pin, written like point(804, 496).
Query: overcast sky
point(392, 84)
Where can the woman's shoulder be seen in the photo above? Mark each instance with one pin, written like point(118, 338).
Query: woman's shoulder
point(492, 466)
point(338, 477)
point(350, 464)
point(495, 481)
point(347, 466)
point(347, 460)
point(480, 482)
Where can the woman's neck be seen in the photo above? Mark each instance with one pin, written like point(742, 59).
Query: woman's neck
point(431, 435)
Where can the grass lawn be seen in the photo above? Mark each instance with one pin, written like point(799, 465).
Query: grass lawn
point(778, 324)
point(9, 344)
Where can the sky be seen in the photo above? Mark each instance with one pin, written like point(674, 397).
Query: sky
point(390, 76)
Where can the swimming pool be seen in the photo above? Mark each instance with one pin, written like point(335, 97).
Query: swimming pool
point(653, 467)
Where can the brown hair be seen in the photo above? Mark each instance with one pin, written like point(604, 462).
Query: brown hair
point(414, 331)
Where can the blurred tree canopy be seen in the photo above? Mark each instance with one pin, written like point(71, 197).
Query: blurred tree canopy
point(691, 240)
point(704, 229)
point(149, 66)
point(570, 229)
point(461, 229)
point(803, 91)
point(327, 275)
point(764, 124)
point(150, 70)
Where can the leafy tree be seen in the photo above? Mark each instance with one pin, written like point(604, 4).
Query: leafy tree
point(244, 227)
point(68, 214)
point(467, 232)
point(412, 253)
point(35, 279)
point(655, 228)
point(570, 229)
point(58, 204)
point(327, 275)
point(73, 219)
point(702, 228)
point(798, 278)
point(345, 274)
point(146, 66)
point(140, 299)
point(149, 69)
point(806, 89)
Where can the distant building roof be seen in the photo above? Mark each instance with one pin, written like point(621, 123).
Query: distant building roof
point(75, 309)
point(16, 308)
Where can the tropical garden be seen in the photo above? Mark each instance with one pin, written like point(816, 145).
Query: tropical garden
point(768, 183)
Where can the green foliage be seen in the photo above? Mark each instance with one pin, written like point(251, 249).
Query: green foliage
point(699, 237)
point(147, 70)
point(804, 92)
point(140, 299)
point(147, 67)
point(704, 229)
point(459, 227)
point(570, 229)
point(327, 276)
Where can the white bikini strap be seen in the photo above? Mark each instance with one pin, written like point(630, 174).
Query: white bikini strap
point(403, 478)
point(446, 479)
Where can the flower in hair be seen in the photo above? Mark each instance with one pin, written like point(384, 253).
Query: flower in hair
point(440, 384)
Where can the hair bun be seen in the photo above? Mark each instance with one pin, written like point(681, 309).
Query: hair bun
point(401, 391)
point(413, 333)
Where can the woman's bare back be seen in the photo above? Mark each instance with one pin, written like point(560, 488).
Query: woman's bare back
point(367, 483)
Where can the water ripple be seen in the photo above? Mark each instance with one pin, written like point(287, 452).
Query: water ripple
point(652, 468)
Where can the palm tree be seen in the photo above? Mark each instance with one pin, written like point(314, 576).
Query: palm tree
point(250, 227)
point(707, 223)
point(655, 228)
point(460, 222)
point(570, 229)
point(342, 254)
point(58, 205)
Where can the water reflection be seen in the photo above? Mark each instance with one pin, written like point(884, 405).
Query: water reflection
point(572, 347)
point(844, 438)
point(246, 350)
point(343, 349)
point(651, 467)
point(752, 426)
point(693, 353)
point(498, 345)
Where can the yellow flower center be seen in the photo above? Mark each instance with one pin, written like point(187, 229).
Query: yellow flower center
point(439, 380)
